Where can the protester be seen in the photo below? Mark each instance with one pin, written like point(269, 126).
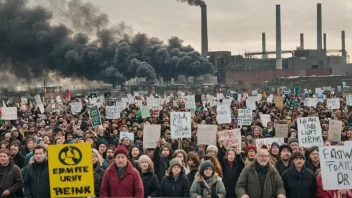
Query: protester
point(193, 163)
point(149, 179)
point(251, 153)
point(313, 163)
point(98, 171)
point(10, 175)
point(161, 162)
point(16, 155)
point(284, 161)
point(182, 156)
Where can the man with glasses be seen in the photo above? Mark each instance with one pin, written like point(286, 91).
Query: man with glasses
point(260, 179)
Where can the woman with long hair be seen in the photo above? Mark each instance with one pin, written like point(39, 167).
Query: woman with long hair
point(98, 171)
point(182, 156)
point(193, 163)
point(216, 164)
point(149, 179)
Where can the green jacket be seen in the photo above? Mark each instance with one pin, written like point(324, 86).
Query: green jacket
point(196, 187)
point(248, 182)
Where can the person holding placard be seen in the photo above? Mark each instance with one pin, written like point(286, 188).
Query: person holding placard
point(284, 161)
point(313, 163)
point(162, 155)
point(321, 193)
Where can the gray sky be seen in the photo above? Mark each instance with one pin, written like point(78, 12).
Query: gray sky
point(234, 25)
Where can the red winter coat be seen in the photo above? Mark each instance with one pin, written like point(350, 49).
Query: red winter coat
point(321, 193)
point(129, 186)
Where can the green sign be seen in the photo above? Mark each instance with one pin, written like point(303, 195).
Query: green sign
point(95, 116)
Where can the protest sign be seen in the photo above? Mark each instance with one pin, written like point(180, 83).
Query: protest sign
point(112, 112)
point(230, 138)
point(244, 117)
point(76, 107)
point(206, 134)
point(37, 99)
point(348, 143)
point(270, 98)
point(95, 116)
point(309, 132)
point(259, 142)
point(255, 92)
point(250, 102)
point(279, 102)
point(336, 163)
point(180, 125)
point(223, 114)
point(281, 130)
point(219, 96)
point(129, 135)
point(24, 100)
point(265, 118)
point(151, 133)
point(145, 112)
point(349, 100)
point(71, 170)
point(226, 101)
point(335, 129)
point(9, 113)
point(333, 103)
point(311, 102)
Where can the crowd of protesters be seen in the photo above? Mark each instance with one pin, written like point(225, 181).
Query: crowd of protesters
point(175, 167)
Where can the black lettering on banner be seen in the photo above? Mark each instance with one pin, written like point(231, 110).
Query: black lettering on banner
point(72, 190)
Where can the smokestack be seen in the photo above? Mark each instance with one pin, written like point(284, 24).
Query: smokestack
point(319, 27)
point(264, 45)
point(302, 41)
point(343, 43)
point(204, 30)
point(324, 41)
point(278, 38)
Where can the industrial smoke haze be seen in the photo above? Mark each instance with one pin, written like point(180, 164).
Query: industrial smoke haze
point(193, 2)
point(86, 46)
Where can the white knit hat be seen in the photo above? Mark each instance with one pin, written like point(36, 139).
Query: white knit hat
point(212, 147)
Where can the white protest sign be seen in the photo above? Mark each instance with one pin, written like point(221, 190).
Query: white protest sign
point(124, 102)
point(281, 130)
point(318, 90)
point(333, 103)
point(309, 132)
point(336, 163)
point(206, 134)
point(226, 101)
point(259, 142)
point(37, 99)
point(219, 96)
point(230, 138)
point(41, 108)
point(145, 112)
point(250, 102)
point(223, 114)
point(76, 107)
point(255, 92)
point(24, 100)
point(151, 133)
point(244, 117)
point(9, 113)
point(335, 129)
point(128, 135)
point(191, 102)
point(265, 118)
point(311, 102)
point(349, 100)
point(180, 125)
point(348, 143)
point(112, 112)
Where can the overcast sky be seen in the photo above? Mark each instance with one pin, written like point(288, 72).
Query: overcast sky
point(235, 25)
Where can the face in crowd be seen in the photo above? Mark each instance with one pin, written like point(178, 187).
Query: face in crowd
point(121, 160)
point(285, 154)
point(263, 157)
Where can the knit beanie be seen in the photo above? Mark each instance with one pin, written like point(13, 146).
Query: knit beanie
point(251, 146)
point(205, 165)
point(146, 158)
point(212, 147)
point(285, 146)
point(275, 144)
point(298, 154)
point(121, 150)
point(175, 162)
point(292, 140)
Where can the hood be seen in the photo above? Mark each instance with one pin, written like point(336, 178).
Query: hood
point(200, 178)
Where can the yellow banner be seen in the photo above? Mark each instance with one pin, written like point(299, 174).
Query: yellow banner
point(71, 170)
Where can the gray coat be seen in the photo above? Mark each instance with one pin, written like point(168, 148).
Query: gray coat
point(196, 187)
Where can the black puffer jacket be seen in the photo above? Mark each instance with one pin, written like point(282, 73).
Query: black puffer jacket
point(280, 166)
point(169, 187)
point(299, 185)
point(98, 178)
point(11, 179)
point(150, 184)
point(161, 164)
point(36, 180)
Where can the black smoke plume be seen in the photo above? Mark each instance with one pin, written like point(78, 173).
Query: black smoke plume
point(31, 47)
point(193, 2)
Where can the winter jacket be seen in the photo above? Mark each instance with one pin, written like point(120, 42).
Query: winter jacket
point(98, 178)
point(150, 184)
point(191, 175)
point(161, 164)
point(299, 184)
point(201, 187)
point(248, 183)
point(11, 179)
point(279, 166)
point(36, 180)
point(231, 175)
point(311, 166)
point(169, 187)
point(321, 193)
point(130, 185)
point(19, 160)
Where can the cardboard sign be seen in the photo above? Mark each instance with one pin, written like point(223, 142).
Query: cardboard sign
point(265, 118)
point(206, 134)
point(180, 125)
point(309, 132)
point(95, 116)
point(279, 101)
point(230, 138)
point(281, 130)
point(112, 112)
point(71, 170)
point(128, 135)
point(151, 133)
point(335, 163)
point(259, 142)
point(335, 129)
point(76, 107)
point(223, 114)
point(9, 113)
point(333, 103)
point(145, 112)
point(244, 117)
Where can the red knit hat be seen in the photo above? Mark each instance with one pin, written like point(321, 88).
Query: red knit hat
point(121, 150)
point(251, 146)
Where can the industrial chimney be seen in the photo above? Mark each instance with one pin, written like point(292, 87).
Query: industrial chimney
point(278, 38)
point(343, 44)
point(204, 30)
point(324, 41)
point(302, 41)
point(319, 27)
point(264, 46)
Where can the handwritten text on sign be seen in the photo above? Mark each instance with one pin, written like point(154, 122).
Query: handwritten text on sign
point(244, 117)
point(180, 124)
point(259, 142)
point(281, 130)
point(9, 113)
point(95, 116)
point(112, 112)
point(151, 133)
point(230, 138)
point(333, 103)
point(335, 129)
point(336, 167)
point(223, 114)
point(206, 134)
point(309, 132)
point(76, 107)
